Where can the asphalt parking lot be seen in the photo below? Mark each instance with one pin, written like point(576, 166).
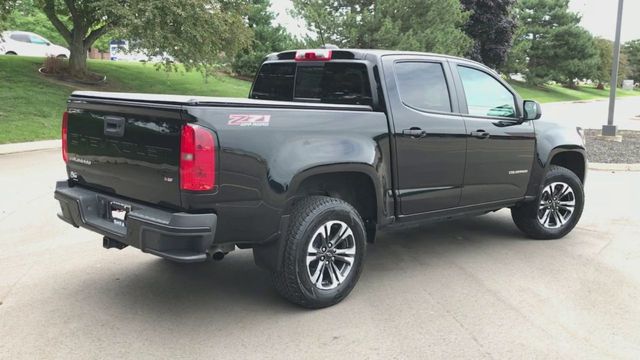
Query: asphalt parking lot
point(473, 288)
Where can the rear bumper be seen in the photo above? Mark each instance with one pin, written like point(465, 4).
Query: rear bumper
point(176, 236)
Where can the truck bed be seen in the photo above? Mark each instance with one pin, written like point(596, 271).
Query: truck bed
point(128, 144)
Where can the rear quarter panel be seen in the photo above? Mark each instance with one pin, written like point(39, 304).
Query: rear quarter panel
point(261, 163)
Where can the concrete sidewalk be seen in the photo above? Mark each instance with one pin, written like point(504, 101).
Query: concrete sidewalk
point(6, 149)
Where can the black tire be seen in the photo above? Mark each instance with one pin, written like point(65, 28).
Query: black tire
point(525, 215)
point(11, 53)
point(62, 57)
point(293, 280)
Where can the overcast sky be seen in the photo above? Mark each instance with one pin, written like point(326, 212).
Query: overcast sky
point(598, 16)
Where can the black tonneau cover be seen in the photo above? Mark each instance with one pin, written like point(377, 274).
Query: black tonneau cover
point(208, 101)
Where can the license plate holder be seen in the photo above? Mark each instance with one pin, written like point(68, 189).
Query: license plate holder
point(118, 213)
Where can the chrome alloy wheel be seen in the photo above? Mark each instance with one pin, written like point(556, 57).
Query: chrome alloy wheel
point(557, 204)
point(330, 255)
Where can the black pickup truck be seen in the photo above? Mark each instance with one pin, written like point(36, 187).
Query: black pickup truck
point(331, 146)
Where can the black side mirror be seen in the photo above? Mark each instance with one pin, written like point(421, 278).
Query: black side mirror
point(532, 110)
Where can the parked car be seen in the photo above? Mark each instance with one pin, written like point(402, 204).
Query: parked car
point(332, 146)
point(29, 44)
point(120, 51)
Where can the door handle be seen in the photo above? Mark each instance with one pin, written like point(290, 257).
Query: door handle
point(414, 132)
point(481, 134)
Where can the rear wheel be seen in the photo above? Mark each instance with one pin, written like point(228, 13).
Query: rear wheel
point(11, 53)
point(556, 210)
point(323, 254)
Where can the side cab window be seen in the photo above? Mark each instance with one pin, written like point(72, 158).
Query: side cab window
point(20, 37)
point(37, 40)
point(423, 86)
point(485, 95)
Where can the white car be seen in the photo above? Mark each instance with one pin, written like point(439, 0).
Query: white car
point(119, 50)
point(29, 44)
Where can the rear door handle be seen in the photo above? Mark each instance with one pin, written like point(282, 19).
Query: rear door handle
point(414, 132)
point(481, 134)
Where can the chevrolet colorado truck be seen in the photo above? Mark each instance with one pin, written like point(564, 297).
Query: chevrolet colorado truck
point(331, 146)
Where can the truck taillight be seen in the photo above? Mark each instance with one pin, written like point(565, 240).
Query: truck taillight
point(65, 132)
point(197, 159)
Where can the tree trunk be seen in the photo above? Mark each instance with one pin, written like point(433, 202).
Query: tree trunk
point(78, 58)
point(600, 86)
point(571, 85)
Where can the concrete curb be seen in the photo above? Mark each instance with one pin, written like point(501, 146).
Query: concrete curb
point(614, 167)
point(591, 100)
point(6, 149)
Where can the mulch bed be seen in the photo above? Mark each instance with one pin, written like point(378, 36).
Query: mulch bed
point(603, 151)
point(90, 78)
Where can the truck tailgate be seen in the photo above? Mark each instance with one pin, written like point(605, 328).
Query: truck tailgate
point(132, 150)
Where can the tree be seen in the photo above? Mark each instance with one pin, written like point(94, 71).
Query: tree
point(575, 51)
point(605, 63)
point(516, 61)
point(426, 25)
point(603, 73)
point(631, 50)
point(194, 32)
point(491, 26)
point(267, 39)
point(27, 16)
point(6, 7)
point(556, 47)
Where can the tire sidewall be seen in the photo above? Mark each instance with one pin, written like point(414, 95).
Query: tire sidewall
point(348, 216)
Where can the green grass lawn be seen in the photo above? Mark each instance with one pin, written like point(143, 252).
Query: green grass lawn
point(554, 93)
point(31, 105)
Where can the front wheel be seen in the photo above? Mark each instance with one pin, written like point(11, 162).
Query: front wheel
point(323, 253)
point(556, 210)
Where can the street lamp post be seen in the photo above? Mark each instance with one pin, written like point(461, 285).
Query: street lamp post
point(610, 129)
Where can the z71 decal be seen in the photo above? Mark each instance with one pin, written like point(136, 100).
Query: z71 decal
point(249, 120)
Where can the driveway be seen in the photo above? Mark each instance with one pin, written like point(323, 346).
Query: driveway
point(473, 288)
point(593, 114)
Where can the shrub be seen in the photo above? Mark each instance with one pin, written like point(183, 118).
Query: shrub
point(54, 66)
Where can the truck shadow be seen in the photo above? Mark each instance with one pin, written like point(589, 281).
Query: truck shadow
point(218, 290)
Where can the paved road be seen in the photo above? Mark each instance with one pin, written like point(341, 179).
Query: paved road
point(469, 289)
point(593, 114)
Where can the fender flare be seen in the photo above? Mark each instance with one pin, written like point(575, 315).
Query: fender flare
point(541, 167)
point(361, 168)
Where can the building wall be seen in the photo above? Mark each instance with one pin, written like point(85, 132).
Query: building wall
point(95, 54)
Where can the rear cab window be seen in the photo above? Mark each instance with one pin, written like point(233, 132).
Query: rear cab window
point(423, 86)
point(334, 82)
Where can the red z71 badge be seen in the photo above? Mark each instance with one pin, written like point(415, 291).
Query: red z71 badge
point(249, 120)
